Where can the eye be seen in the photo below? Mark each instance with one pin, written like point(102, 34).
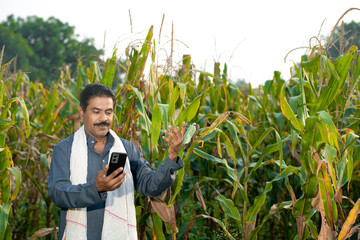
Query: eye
point(108, 112)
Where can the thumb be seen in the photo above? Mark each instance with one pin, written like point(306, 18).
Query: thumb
point(104, 170)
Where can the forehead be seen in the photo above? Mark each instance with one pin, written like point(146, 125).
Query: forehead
point(103, 103)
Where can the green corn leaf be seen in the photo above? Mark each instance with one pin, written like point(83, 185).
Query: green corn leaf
point(234, 133)
point(182, 90)
point(178, 185)
point(330, 131)
point(109, 71)
point(229, 208)
point(303, 206)
point(164, 109)
point(174, 97)
point(37, 185)
point(158, 225)
point(256, 102)
point(16, 172)
point(50, 109)
point(229, 148)
point(275, 209)
point(221, 224)
point(312, 229)
point(289, 114)
point(258, 204)
point(331, 159)
point(144, 120)
point(327, 197)
point(155, 125)
point(190, 112)
point(350, 144)
point(138, 60)
point(69, 96)
point(260, 139)
point(260, 200)
point(339, 73)
point(4, 214)
point(230, 171)
point(25, 115)
point(189, 134)
point(97, 71)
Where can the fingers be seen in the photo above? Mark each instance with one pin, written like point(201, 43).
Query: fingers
point(116, 172)
point(116, 182)
point(174, 133)
point(183, 129)
point(104, 170)
point(111, 182)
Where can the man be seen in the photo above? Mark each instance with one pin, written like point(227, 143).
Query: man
point(93, 205)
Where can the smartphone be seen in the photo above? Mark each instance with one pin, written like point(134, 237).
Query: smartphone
point(117, 160)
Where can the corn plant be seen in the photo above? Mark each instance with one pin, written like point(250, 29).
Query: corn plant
point(14, 114)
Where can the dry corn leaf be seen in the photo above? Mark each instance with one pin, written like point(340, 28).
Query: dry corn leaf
point(350, 220)
point(43, 232)
point(161, 208)
point(199, 196)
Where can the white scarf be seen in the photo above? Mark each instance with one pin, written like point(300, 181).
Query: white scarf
point(119, 215)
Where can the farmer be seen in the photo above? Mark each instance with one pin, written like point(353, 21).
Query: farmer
point(93, 205)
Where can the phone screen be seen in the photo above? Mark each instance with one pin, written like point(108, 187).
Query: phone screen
point(117, 160)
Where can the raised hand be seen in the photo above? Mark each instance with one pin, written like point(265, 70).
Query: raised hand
point(175, 139)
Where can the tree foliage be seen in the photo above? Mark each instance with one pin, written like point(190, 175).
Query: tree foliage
point(345, 36)
point(41, 46)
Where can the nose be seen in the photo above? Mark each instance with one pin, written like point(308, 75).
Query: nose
point(103, 116)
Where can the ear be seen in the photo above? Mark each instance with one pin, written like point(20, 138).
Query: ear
point(81, 112)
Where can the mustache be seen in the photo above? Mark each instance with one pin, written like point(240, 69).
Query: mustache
point(104, 123)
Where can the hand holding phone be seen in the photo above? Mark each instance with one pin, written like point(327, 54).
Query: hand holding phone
point(117, 160)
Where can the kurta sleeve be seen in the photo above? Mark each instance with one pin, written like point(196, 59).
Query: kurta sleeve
point(147, 181)
point(61, 191)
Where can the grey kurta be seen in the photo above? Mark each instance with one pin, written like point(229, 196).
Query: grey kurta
point(146, 181)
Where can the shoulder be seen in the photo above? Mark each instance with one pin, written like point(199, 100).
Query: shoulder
point(64, 144)
point(130, 148)
point(128, 145)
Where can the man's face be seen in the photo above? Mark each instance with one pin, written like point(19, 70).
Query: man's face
point(98, 116)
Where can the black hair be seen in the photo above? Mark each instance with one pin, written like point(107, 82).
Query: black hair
point(95, 90)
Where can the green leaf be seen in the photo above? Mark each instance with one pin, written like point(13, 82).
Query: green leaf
point(254, 100)
point(158, 225)
point(109, 71)
point(289, 114)
point(164, 114)
point(230, 171)
point(189, 134)
point(96, 67)
point(25, 115)
point(330, 131)
point(37, 185)
point(221, 224)
point(339, 72)
point(4, 214)
point(274, 209)
point(155, 125)
point(50, 109)
point(229, 208)
point(178, 185)
point(190, 112)
point(229, 148)
point(16, 172)
point(255, 208)
point(174, 97)
point(69, 96)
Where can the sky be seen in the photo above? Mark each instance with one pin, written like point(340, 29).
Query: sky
point(251, 37)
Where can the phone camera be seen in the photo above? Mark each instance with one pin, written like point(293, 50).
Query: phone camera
point(115, 159)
